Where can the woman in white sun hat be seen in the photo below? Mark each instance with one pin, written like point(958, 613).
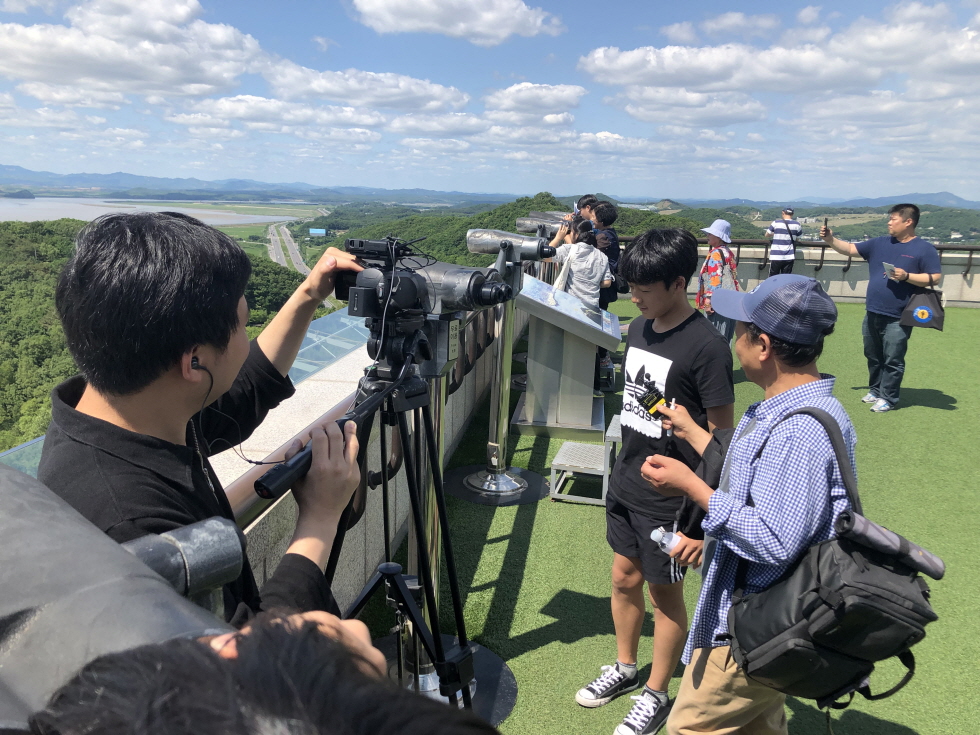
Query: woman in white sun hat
point(718, 271)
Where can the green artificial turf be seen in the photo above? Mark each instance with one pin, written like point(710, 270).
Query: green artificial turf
point(535, 578)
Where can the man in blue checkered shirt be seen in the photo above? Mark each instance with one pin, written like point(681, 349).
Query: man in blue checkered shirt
point(769, 506)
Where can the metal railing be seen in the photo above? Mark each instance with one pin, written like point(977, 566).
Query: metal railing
point(969, 250)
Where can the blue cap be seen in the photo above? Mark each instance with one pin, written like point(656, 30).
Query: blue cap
point(789, 307)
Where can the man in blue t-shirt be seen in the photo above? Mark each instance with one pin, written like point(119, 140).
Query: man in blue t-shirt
point(897, 264)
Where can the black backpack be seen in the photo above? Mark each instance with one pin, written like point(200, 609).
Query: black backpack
point(848, 602)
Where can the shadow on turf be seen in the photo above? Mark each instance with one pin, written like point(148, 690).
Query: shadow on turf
point(928, 397)
point(808, 720)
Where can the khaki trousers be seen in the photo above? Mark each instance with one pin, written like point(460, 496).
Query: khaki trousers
point(716, 697)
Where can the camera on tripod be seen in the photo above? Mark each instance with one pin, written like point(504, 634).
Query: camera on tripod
point(394, 280)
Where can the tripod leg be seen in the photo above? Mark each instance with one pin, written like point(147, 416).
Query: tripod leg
point(385, 503)
point(425, 572)
point(444, 524)
point(447, 544)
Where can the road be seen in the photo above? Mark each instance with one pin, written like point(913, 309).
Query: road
point(275, 248)
point(294, 255)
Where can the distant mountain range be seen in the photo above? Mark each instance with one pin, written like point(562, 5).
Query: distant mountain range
point(123, 185)
point(120, 185)
point(940, 199)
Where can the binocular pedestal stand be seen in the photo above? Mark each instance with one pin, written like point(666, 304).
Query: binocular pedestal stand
point(496, 483)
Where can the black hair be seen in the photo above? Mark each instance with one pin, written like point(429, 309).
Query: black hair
point(790, 353)
point(586, 200)
point(584, 233)
point(906, 211)
point(143, 289)
point(605, 213)
point(287, 678)
point(660, 256)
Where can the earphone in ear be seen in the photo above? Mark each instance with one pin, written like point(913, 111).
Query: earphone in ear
point(195, 364)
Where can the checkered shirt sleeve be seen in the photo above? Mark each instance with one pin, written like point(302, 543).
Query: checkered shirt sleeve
point(792, 508)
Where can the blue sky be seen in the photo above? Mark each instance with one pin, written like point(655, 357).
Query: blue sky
point(714, 99)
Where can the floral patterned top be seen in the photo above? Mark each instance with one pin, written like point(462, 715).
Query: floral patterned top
point(718, 271)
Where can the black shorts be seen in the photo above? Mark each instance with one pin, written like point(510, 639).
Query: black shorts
point(628, 533)
point(778, 267)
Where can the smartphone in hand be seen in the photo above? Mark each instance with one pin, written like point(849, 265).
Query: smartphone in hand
point(889, 269)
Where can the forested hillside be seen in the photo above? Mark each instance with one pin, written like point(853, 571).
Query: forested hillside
point(33, 354)
point(446, 235)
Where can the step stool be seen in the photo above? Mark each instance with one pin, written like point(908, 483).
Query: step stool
point(585, 459)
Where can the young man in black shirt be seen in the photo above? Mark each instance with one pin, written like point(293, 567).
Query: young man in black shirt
point(674, 352)
point(154, 313)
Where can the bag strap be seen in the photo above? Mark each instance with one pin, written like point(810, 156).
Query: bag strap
point(836, 437)
point(908, 660)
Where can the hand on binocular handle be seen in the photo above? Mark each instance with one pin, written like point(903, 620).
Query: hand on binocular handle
point(326, 489)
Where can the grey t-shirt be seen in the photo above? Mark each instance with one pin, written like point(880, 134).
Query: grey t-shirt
point(588, 269)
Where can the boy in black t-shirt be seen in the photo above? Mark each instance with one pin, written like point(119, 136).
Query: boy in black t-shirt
point(673, 351)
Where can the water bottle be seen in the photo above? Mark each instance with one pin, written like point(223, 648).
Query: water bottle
point(665, 539)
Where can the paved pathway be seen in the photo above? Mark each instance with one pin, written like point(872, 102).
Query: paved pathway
point(293, 250)
point(275, 248)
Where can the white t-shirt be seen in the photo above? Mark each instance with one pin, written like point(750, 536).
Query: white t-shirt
point(588, 269)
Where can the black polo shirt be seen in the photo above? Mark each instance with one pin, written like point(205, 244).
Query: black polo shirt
point(131, 484)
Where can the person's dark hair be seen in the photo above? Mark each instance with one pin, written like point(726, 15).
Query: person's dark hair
point(660, 256)
point(790, 353)
point(285, 679)
point(143, 289)
point(906, 211)
point(586, 200)
point(605, 213)
point(585, 233)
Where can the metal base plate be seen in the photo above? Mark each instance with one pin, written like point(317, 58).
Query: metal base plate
point(496, 687)
point(518, 382)
point(516, 486)
point(562, 431)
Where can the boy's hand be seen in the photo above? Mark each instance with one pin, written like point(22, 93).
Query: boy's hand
point(669, 477)
point(326, 489)
point(707, 305)
point(323, 275)
point(688, 551)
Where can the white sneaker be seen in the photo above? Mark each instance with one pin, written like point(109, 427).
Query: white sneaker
point(881, 405)
point(870, 398)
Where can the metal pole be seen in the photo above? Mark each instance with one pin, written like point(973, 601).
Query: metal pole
point(496, 483)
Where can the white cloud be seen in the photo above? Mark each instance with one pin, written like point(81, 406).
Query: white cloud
point(373, 89)
point(680, 106)
point(808, 15)
point(428, 145)
point(740, 24)
point(71, 96)
point(324, 43)
point(482, 22)
point(453, 123)
point(253, 109)
point(680, 32)
point(715, 136)
point(535, 98)
point(729, 67)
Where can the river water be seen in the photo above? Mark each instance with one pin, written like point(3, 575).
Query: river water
point(48, 208)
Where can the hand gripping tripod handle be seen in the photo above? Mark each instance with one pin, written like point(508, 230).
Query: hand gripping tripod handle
point(275, 482)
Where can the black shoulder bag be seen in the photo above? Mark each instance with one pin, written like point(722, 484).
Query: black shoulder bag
point(846, 603)
point(925, 308)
